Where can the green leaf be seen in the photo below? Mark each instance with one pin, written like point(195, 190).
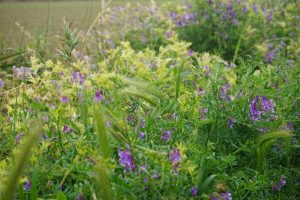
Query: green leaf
point(61, 196)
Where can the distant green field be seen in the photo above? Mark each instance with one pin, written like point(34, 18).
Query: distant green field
point(37, 17)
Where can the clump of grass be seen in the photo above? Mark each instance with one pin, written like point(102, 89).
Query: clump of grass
point(264, 144)
point(20, 161)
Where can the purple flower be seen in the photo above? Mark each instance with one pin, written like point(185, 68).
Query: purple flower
point(142, 135)
point(190, 52)
point(175, 158)
point(189, 17)
point(200, 91)
point(65, 99)
point(67, 129)
point(230, 122)
point(156, 175)
point(166, 136)
point(18, 137)
point(77, 78)
point(278, 186)
point(225, 196)
point(22, 73)
point(194, 191)
point(245, 10)
point(223, 92)
point(45, 118)
point(206, 70)
point(98, 96)
point(203, 113)
point(126, 160)
point(270, 16)
point(80, 197)
point(269, 56)
point(1, 83)
point(27, 185)
point(267, 104)
point(180, 23)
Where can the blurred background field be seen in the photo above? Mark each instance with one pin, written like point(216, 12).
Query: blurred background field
point(38, 17)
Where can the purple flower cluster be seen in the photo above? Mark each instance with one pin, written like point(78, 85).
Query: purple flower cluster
point(200, 91)
point(278, 186)
point(66, 129)
point(126, 160)
point(259, 106)
point(203, 112)
point(269, 56)
point(22, 73)
point(224, 92)
point(77, 77)
point(175, 158)
point(187, 19)
point(1, 83)
point(194, 190)
point(230, 122)
point(27, 185)
point(98, 96)
point(222, 196)
point(166, 136)
point(64, 99)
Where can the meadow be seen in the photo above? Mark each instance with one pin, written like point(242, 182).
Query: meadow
point(193, 99)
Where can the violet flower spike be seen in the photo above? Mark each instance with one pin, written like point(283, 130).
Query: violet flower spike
point(126, 160)
point(27, 185)
point(98, 96)
point(1, 83)
point(194, 191)
point(166, 136)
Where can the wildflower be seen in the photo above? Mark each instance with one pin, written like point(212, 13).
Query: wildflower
point(190, 52)
point(45, 118)
point(22, 73)
point(221, 196)
point(225, 196)
point(194, 191)
point(267, 104)
point(189, 17)
point(203, 113)
point(230, 122)
point(1, 83)
point(65, 99)
point(80, 197)
point(27, 185)
point(18, 137)
point(156, 175)
point(98, 96)
point(200, 91)
point(126, 160)
point(224, 91)
point(245, 10)
point(260, 106)
point(206, 70)
point(142, 135)
point(67, 129)
point(269, 56)
point(278, 186)
point(270, 16)
point(175, 158)
point(166, 136)
point(77, 78)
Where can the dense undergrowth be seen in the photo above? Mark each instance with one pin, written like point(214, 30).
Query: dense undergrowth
point(195, 99)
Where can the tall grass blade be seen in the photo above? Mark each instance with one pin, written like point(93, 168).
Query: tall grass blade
point(130, 91)
point(264, 143)
point(100, 128)
point(143, 86)
point(20, 161)
point(105, 191)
